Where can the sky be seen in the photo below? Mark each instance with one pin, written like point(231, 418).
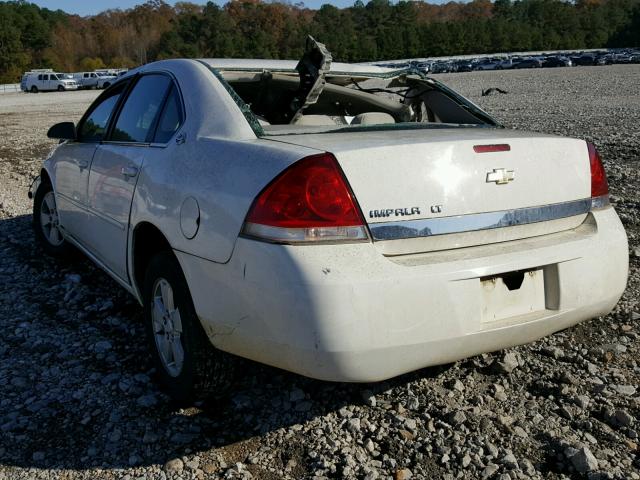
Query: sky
point(86, 7)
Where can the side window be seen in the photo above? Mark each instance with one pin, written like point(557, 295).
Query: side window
point(140, 109)
point(39, 77)
point(86, 75)
point(95, 124)
point(45, 77)
point(170, 119)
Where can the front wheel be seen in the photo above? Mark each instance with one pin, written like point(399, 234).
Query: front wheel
point(60, 88)
point(46, 223)
point(188, 367)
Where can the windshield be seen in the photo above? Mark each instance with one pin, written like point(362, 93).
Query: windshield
point(404, 99)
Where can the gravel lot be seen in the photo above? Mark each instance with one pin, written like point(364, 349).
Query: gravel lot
point(77, 399)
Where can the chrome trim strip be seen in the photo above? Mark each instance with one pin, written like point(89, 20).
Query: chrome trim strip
point(480, 221)
point(599, 202)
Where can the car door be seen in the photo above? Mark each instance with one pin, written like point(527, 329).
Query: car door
point(115, 168)
point(72, 162)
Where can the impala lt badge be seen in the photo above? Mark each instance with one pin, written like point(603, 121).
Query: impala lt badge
point(394, 212)
point(500, 176)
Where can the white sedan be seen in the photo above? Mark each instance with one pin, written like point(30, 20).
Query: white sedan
point(348, 223)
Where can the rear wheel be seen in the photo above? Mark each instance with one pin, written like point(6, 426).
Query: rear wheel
point(46, 222)
point(34, 89)
point(188, 367)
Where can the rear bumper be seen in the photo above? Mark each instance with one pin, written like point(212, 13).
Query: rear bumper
point(347, 313)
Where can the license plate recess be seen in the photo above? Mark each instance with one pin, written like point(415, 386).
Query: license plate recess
point(512, 294)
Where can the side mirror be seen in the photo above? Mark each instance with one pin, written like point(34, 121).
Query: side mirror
point(63, 131)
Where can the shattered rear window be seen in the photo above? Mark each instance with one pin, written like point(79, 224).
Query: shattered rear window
point(270, 101)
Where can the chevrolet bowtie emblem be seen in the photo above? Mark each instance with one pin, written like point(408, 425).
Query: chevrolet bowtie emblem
point(500, 176)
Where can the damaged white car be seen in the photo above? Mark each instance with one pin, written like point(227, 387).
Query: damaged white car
point(344, 222)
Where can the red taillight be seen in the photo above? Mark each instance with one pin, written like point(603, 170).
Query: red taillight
point(498, 147)
point(310, 201)
point(599, 185)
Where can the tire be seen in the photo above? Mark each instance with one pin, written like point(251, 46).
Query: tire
point(46, 223)
point(204, 371)
point(60, 88)
point(34, 89)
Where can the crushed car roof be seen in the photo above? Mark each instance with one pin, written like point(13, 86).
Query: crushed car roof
point(290, 66)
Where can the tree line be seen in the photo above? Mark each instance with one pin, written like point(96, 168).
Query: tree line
point(34, 37)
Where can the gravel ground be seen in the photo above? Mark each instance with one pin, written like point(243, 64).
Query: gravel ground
point(77, 399)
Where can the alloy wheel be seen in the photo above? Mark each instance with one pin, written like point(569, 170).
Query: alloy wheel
point(49, 220)
point(167, 327)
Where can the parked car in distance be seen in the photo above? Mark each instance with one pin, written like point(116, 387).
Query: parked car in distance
point(487, 64)
point(86, 80)
point(35, 82)
point(506, 63)
point(528, 63)
point(556, 61)
point(105, 79)
point(337, 231)
point(99, 80)
point(463, 66)
point(441, 67)
point(584, 60)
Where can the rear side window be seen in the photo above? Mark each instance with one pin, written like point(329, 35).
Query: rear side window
point(170, 119)
point(95, 125)
point(137, 117)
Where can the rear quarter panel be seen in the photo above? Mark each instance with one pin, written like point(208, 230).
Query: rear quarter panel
point(223, 176)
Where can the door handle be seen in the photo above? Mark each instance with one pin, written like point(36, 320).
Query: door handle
point(83, 164)
point(129, 171)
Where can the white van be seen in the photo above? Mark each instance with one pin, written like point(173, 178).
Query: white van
point(26, 75)
point(35, 82)
point(97, 79)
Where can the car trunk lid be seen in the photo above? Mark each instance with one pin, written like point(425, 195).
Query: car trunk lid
point(433, 189)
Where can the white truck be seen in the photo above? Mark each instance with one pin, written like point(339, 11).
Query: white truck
point(97, 79)
point(105, 79)
point(47, 80)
